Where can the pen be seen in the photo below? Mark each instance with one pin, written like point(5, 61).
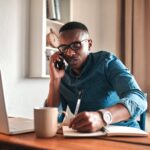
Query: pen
point(78, 103)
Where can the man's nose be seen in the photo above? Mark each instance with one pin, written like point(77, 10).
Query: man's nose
point(70, 52)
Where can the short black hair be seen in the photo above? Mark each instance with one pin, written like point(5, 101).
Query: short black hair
point(73, 25)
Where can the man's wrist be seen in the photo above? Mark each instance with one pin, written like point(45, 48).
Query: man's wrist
point(55, 80)
point(106, 116)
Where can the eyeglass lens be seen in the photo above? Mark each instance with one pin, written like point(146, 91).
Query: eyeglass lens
point(74, 46)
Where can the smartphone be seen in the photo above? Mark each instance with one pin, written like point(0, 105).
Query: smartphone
point(60, 64)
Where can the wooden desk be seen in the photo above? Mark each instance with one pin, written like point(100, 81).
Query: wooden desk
point(29, 141)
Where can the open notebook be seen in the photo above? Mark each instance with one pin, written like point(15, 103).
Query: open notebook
point(106, 131)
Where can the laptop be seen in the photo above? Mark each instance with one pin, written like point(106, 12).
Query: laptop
point(12, 125)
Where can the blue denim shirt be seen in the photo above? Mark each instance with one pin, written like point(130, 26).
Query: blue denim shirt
point(104, 82)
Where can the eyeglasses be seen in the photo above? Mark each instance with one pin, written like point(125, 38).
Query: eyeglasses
point(74, 46)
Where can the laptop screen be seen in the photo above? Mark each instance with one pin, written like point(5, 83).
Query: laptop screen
point(4, 128)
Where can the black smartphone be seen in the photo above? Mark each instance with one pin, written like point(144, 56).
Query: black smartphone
point(60, 64)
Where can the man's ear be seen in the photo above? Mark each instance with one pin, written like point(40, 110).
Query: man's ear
point(90, 43)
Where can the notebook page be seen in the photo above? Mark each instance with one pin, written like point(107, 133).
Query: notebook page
point(69, 132)
point(124, 131)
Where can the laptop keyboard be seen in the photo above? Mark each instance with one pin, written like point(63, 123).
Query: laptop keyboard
point(18, 124)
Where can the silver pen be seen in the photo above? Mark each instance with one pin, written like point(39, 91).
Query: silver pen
point(78, 103)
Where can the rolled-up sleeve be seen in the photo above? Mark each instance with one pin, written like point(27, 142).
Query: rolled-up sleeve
point(124, 83)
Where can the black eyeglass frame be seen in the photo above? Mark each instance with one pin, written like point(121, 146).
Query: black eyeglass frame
point(64, 48)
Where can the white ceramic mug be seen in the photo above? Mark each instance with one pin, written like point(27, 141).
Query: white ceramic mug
point(46, 121)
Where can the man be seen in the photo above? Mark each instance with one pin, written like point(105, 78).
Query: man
point(109, 93)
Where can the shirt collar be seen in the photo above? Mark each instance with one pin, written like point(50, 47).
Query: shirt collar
point(84, 70)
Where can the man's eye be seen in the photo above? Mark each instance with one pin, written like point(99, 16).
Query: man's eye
point(76, 45)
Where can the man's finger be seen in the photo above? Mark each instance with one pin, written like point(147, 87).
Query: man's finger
point(81, 116)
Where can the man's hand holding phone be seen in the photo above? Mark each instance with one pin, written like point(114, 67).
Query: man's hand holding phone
point(56, 66)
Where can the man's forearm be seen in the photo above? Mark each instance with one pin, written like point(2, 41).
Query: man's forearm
point(119, 113)
point(53, 98)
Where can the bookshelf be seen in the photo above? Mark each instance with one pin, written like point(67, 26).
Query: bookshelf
point(40, 26)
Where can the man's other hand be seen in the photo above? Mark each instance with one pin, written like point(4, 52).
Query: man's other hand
point(87, 122)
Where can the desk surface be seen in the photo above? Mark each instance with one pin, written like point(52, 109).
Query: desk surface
point(59, 142)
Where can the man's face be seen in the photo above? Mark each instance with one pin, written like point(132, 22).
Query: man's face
point(75, 45)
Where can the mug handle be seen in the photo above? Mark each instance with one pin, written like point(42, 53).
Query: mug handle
point(66, 115)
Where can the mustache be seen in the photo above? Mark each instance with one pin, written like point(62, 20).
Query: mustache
point(73, 58)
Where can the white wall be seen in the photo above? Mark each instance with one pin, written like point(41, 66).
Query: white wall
point(22, 94)
point(100, 16)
